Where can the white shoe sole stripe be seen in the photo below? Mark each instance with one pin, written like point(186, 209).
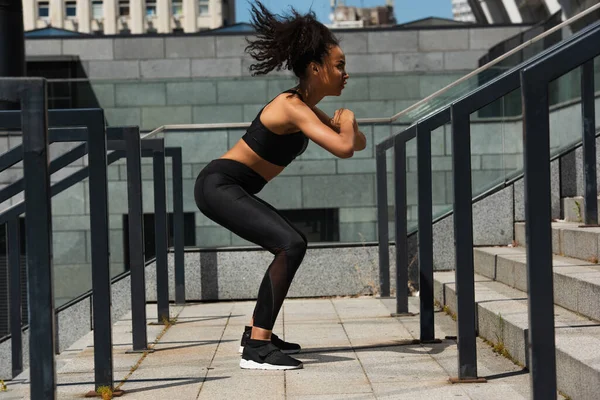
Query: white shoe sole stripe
point(249, 364)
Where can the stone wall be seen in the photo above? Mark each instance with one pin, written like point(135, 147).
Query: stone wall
point(153, 81)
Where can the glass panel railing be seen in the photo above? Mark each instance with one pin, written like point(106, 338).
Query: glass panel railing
point(71, 234)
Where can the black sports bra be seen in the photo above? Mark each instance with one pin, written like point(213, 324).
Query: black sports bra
point(277, 149)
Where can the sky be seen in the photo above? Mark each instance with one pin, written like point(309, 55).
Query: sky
point(405, 10)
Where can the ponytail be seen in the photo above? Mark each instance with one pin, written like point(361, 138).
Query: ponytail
point(291, 42)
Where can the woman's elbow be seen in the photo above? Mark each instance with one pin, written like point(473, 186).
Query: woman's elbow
point(345, 153)
point(360, 146)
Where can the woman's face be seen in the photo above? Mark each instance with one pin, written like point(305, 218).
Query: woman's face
point(332, 73)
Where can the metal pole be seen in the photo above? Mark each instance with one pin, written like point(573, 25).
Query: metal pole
point(102, 318)
point(38, 212)
point(538, 214)
point(161, 235)
point(136, 238)
point(425, 234)
point(401, 226)
point(14, 262)
point(589, 143)
point(463, 236)
point(382, 222)
point(178, 224)
point(12, 43)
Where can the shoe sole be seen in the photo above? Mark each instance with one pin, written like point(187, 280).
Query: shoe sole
point(241, 350)
point(249, 364)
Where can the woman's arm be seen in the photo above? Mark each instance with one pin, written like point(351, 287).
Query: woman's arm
point(360, 141)
point(338, 142)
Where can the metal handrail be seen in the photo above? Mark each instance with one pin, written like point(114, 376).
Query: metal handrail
point(395, 117)
point(533, 76)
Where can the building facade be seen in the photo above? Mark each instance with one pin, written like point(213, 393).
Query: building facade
point(343, 16)
point(128, 16)
point(461, 10)
point(524, 11)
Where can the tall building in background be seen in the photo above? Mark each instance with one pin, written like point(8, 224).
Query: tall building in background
point(516, 11)
point(343, 16)
point(462, 11)
point(128, 16)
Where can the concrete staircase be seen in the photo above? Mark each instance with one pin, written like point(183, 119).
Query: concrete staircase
point(501, 297)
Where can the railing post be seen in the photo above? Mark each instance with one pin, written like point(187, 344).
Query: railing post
point(98, 189)
point(161, 233)
point(463, 236)
point(382, 221)
point(14, 268)
point(38, 229)
point(536, 140)
point(137, 266)
point(178, 224)
point(588, 119)
point(425, 234)
point(401, 225)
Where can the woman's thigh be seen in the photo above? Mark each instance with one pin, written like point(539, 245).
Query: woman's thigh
point(252, 219)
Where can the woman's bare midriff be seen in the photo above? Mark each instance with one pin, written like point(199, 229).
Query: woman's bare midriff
point(241, 152)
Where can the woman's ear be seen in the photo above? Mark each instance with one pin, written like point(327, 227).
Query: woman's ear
point(313, 67)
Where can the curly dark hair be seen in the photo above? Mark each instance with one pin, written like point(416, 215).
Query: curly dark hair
point(291, 41)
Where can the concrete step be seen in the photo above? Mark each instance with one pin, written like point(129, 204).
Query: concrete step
point(503, 320)
point(576, 282)
point(569, 239)
point(574, 210)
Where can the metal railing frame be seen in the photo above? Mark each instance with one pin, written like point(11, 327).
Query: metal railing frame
point(131, 135)
point(537, 72)
point(93, 120)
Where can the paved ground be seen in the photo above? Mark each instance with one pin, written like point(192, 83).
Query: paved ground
point(353, 349)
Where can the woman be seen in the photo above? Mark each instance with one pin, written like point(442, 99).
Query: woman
point(225, 189)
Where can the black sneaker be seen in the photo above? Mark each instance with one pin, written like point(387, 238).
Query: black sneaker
point(261, 354)
point(285, 347)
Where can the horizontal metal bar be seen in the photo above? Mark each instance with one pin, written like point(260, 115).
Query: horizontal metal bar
point(56, 118)
point(118, 132)
point(116, 145)
point(148, 148)
point(153, 144)
point(74, 134)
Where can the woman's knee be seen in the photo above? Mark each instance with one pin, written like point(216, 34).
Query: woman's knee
point(296, 246)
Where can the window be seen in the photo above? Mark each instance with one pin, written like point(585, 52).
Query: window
point(151, 8)
point(70, 9)
point(318, 224)
point(177, 8)
point(124, 8)
point(43, 9)
point(203, 7)
point(97, 10)
point(63, 92)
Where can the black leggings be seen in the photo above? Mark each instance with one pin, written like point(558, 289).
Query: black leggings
point(225, 192)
